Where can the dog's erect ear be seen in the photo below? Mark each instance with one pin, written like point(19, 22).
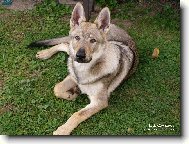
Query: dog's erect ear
point(103, 19)
point(78, 15)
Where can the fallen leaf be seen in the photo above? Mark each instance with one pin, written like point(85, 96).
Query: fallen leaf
point(130, 130)
point(155, 53)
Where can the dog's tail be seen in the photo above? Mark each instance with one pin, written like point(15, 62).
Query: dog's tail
point(50, 42)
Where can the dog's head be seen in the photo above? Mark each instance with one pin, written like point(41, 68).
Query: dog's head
point(87, 38)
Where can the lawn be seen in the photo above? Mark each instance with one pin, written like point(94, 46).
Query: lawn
point(150, 97)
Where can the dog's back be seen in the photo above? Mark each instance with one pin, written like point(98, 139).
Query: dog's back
point(122, 38)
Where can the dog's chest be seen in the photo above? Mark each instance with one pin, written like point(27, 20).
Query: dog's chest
point(81, 71)
point(91, 89)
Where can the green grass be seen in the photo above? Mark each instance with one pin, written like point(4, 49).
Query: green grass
point(151, 96)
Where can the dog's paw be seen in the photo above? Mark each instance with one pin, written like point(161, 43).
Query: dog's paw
point(44, 54)
point(62, 130)
point(68, 95)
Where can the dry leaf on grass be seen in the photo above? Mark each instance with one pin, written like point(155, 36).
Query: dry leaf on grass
point(130, 130)
point(155, 53)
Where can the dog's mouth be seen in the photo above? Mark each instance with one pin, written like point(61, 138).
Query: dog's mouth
point(80, 60)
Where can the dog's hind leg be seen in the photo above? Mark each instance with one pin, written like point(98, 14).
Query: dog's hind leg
point(97, 103)
point(67, 89)
point(47, 53)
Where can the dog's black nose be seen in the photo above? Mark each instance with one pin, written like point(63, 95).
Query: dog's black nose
point(81, 54)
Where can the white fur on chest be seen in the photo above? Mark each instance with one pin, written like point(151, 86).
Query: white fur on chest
point(110, 58)
point(91, 89)
point(82, 69)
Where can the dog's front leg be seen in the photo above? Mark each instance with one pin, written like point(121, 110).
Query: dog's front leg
point(97, 103)
point(67, 89)
point(47, 53)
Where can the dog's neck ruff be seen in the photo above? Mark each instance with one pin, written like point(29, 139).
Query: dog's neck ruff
point(86, 73)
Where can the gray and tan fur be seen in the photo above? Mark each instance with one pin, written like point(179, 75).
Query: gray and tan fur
point(101, 56)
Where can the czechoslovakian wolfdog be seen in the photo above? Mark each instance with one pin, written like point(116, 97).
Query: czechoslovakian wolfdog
point(101, 56)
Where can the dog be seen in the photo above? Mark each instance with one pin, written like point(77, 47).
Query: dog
point(101, 56)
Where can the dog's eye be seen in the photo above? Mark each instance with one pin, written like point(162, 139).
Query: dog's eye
point(77, 38)
point(92, 41)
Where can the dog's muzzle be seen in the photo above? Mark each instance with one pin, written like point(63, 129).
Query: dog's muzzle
point(81, 56)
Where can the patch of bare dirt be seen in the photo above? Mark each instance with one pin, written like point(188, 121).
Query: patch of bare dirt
point(1, 79)
point(33, 74)
point(6, 108)
point(69, 2)
point(4, 15)
point(158, 6)
point(125, 23)
point(23, 4)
